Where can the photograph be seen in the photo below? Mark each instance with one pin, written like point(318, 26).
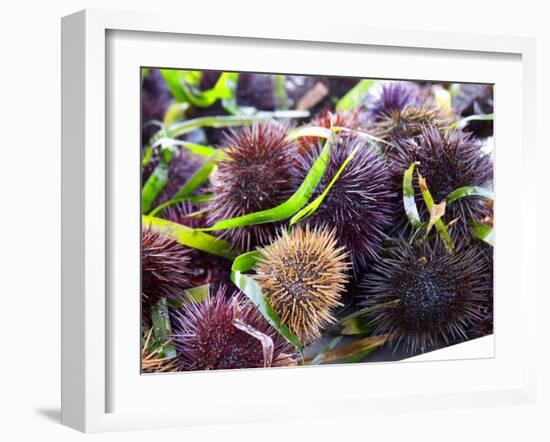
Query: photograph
point(293, 220)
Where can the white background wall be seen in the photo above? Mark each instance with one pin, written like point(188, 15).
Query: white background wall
point(30, 221)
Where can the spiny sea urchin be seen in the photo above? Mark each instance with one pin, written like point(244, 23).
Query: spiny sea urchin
point(447, 160)
point(408, 123)
point(351, 119)
point(164, 267)
point(226, 331)
point(259, 173)
point(303, 274)
point(360, 204)
point(204, 268)
point(402, 111)
point(425, 295)
point(394, 97)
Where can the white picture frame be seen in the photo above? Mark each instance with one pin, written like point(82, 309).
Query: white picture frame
point(86, 216)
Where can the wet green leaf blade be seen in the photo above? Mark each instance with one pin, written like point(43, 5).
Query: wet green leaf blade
point(197, 149)
point(355, 96)
point(192, 237)
point(351, 350)
point(153, 186)
point(162, 330)
point(464, 121)
point(253, 291)
point(222, 121)
point(198, 199)
point(290, 206)
point(172, 79)
point(469, 191)
point(198, 178)
point(409, 202)
point(325, 350)
point(440, 226)
point(308, 210)
point(280, 91)
point(483, 232)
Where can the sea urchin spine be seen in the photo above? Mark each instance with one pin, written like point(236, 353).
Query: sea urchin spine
point(303, 273)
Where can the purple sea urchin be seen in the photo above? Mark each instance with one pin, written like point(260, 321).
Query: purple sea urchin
point(401, 111)
point(164, 267)
point(426, 295)
point(225, 332)
point(259, 173)
point(360, 204)
point(303, 274)
point(447, 161)
point(394, 97)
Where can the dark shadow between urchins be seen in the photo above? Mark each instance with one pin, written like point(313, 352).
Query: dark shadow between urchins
point(360, 204)
point(165, 268)
point(430, 297)
point(447, 160)
point(257, 173)
point(475, 99)
point(226, 331)
point(204, 268)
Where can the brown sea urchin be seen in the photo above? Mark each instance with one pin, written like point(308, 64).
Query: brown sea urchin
point(258, 173)
point(408, 122)
point(426, 296)
point(164, 267)
point(303, 274)
point(226, 331)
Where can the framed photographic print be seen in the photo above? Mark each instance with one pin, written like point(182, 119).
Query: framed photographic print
point(241, 218)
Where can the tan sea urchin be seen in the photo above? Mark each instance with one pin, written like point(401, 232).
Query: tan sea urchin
point(303, 274)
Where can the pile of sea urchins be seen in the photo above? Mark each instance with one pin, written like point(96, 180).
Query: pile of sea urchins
point(356, 255)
